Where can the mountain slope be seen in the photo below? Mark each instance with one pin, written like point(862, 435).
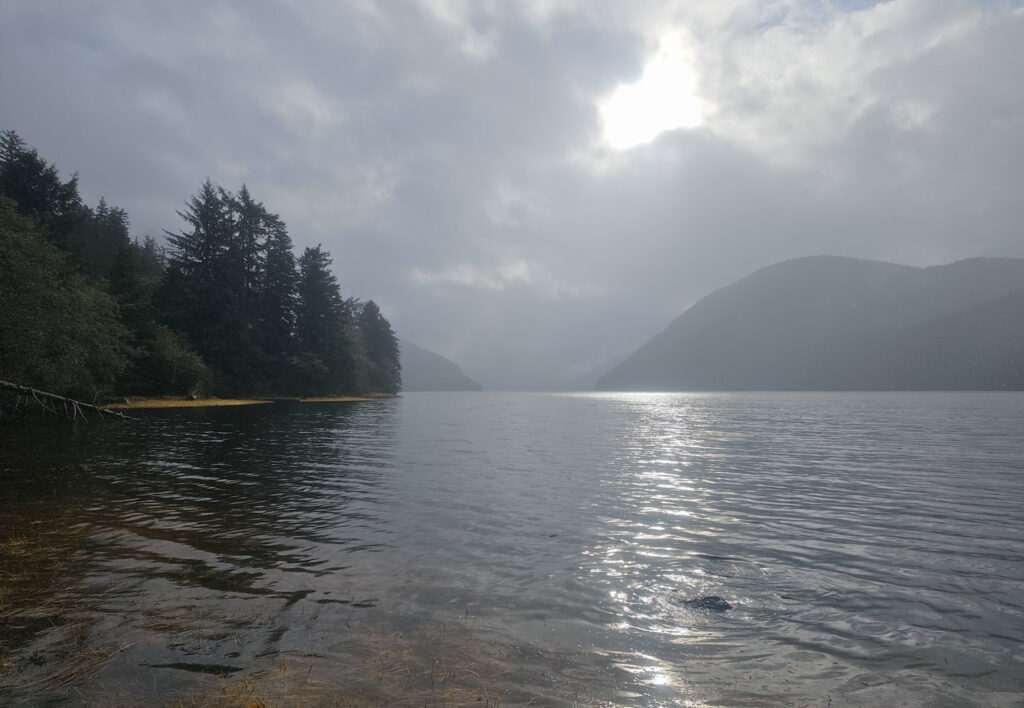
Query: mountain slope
point(588, 381)
point(838, 323)
point(424, 370)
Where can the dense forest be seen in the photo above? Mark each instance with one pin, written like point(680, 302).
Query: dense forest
point(224, 308)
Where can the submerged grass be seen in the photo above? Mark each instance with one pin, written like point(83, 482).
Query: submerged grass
point(31, 557)
point(50, 649)
point(58, 655)
point(441, 665)
point(55, 650)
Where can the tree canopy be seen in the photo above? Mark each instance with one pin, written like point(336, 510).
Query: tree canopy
point(226, 307)
point(59, 330)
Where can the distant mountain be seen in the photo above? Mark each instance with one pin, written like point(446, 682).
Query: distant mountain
point(833, 323)
point(588, 381)
point(424, 370)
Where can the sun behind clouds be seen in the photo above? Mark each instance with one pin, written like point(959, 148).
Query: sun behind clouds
point(663, 99)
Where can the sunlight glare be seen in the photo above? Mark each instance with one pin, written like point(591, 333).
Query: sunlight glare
point(663, 99)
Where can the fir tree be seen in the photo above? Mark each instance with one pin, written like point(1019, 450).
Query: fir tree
point(201, 293)
point(324, 327)
point(37, 190)
point(384, 368)
point(99, 237)
point(278, 284)
point(198, 251)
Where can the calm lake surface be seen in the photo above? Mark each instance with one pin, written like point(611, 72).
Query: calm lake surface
point(466, 549)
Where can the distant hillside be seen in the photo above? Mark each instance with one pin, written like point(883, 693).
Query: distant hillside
point(588, 381)
point(839, 323)
point(424, 370)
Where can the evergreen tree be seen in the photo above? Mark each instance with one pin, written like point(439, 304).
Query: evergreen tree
point(99, 238)
point(384, 368)
point(162, 360)
point(326, 361)
point(319, 300)
point(192, 265)
point(150, 258)
point(204, 289)
point(278, 284)
point(231, 286)
point(198, 251)
point(250, 225)
point(228, 303)
point(58, 330)
point(37, 190)
point(133, 286)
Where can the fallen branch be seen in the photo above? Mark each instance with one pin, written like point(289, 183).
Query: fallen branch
point(72, 408)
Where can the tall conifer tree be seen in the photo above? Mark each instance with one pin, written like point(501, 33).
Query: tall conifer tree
point(198, 288)
point(278, 284)
point(37, 189)
point(384, 368)
point(324, 328)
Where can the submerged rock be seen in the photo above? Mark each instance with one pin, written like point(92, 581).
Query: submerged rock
point(709, 602)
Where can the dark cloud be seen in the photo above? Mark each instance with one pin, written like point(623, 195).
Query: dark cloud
point(450, 154)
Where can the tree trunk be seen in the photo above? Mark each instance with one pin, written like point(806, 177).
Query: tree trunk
point(49, 402)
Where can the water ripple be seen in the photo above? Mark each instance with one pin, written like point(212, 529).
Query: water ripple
point(650, 549)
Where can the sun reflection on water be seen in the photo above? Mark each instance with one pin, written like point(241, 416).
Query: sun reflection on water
point(652, 547)
point(744, 550)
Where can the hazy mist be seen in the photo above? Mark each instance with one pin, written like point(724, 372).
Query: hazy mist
point(531, 189)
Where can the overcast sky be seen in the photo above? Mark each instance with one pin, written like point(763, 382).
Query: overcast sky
point(532, 187)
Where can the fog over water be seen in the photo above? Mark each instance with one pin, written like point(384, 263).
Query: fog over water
point(533, 188)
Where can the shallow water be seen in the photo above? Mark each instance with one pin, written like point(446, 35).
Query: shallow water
point(440, 549)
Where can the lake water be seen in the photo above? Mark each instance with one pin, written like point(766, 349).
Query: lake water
point(485, 548)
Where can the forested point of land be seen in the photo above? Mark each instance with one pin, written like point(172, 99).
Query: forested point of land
point(224, 308)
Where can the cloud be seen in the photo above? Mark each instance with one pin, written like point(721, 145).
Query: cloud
point(503, 277)
point(451, 157)
point(470, 276)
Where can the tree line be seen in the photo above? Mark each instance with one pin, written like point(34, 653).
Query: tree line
point(225, 308)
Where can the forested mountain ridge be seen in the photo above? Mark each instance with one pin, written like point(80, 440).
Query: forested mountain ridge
point(840, 323)
point(424, 370)
point(225, 308)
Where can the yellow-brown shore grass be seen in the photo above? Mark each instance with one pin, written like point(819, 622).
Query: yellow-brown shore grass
point(171, 402)
point(181, 402)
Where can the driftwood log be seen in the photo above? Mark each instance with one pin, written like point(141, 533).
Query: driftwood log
point(49, 402)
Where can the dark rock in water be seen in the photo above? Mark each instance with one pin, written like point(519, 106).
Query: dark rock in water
point(709, 602)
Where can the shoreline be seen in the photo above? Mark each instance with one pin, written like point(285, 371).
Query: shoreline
point(182, 402)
